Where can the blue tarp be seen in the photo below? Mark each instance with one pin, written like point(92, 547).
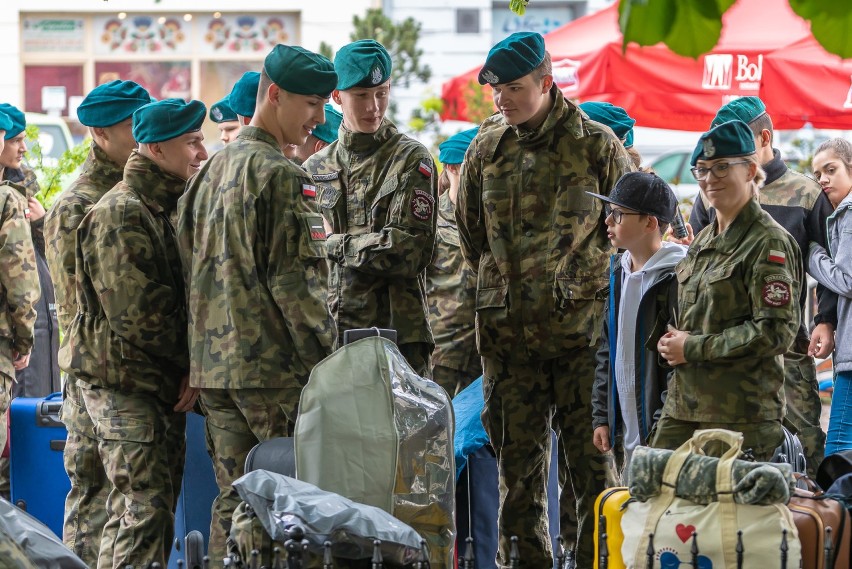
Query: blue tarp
point(470, 434)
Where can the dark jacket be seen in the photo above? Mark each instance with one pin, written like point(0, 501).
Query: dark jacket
point(656, 308)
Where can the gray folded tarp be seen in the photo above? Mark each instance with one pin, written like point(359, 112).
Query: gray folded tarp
point(281, 503)
point(38, 542)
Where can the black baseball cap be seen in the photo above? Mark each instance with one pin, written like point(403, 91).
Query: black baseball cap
point(643, 192)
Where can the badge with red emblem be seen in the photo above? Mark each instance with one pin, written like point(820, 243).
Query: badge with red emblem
point(421, 205)
point(776, 293)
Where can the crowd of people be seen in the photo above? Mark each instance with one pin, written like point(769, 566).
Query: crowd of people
point(540, 258)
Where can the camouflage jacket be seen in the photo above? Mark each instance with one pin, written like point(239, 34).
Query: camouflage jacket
point(129, 333)
point(26, 182)
point(19, 287)
point(533, 235)
point(450, 295)
point(378, 193)
point(737, 300)
point(99, 175)
point(253, 251)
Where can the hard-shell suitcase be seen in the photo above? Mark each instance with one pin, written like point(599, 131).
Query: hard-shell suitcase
point(39, 483)
point(824, 530)
point(609, 507)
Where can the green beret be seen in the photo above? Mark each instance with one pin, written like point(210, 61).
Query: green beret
point(512, 58)
point(243, 96)
point(452, 150)
point(111, 103)
point(364, 63)
point(167, 119)
point(628, 139)
point(614, 117)
point(19, 121)
point(299, 71)
point(727, 140)
point(327, 131)
point(744, 109)
point(5, 121)
point(220, 111)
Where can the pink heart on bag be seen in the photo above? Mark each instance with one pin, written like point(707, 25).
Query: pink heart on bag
point(684, 532)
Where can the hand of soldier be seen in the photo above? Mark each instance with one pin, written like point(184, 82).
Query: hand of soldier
point(685, 241)
point(36, 209)
point(600, 438)
point(822, 340)
point(671, 344)
point(21, 362)
point(186, 396)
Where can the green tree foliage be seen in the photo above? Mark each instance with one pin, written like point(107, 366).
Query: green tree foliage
point(478, 101)
point(53, 175)
point(401, 42)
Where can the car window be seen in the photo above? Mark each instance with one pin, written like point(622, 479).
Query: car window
point(685, 174)
point(668, 167)
point(52, 140)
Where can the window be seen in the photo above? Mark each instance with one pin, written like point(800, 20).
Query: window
point(467, 20)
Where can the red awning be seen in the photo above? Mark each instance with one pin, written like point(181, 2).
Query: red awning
point(765, 49)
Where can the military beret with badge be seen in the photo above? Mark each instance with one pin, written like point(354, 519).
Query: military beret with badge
point(167, 119)
point(243, 96)
point(5, 122)
point(221, 112)
point(452, 150)
point(746, 109)
point(327, 131)
point(16, 117)
point(363, 63)
point(111, 103)
point(300, 71)
point(512, 58)
point(728, 140)
point(612, 116)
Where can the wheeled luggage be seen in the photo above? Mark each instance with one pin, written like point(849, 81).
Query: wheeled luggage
point(39, 483)
point(609, 507)
point(824, 529)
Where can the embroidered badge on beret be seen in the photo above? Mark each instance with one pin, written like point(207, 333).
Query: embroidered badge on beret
point(709, 149)
point(309, 190)
point(490, 77)
point(376, 75)
point(776, 293)
point(775, 256)
point(425, 169)
point(421, 205)
point(217, 114)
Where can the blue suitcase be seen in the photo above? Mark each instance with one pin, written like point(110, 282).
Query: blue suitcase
point(38, 479)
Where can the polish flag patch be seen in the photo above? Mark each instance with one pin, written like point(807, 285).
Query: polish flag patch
point(425, 169)
point(775, 256)
point(309, 190)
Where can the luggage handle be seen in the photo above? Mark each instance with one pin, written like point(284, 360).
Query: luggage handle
point(809, 482)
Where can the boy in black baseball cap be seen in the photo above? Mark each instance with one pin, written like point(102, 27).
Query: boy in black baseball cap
point(629, 380)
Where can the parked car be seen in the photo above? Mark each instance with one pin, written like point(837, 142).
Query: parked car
point(54, 138)
point(674, 168)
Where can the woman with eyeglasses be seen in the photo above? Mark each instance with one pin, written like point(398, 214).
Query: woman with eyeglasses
point(738, 306)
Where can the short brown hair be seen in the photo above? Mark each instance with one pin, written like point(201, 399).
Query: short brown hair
point(543, 68)
point(262, 87)
point(761, 123)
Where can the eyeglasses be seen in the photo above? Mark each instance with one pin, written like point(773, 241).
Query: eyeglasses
point(720, 169)
point(617, 214)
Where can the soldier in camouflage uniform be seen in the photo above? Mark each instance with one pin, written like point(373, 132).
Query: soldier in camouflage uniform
point(19, 287)
point(128, 343)
point(107, 110)
point(376, 191)
point(226, 121)
point(451, 284)
point(323, 135)
point(797, 203)
point(737, 312)
point(538, 243)
point(255, 268)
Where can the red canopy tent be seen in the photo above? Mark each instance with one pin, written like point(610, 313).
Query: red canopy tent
point(662, 89)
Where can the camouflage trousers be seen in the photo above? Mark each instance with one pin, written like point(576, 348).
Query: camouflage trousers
point(86, 510)
point(13, 556)
point(523, 400)
point(237, 420)
point(801, 391)
point(762, 437)
point(419, 357)
point(5, 401)
point(142, 446)
point(453, 380)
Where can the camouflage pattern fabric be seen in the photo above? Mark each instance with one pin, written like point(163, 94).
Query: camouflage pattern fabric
point(451, 296)
point(12, 555)
point(378, 193)
point(522, 402)
point(237, 420)
point(754, 483)
point(761, 438)
point(254, 253)
point(737, 300)
point(86, 504)
point(539, 247)
point(142, 444)
point(19, 286)
point(804, 407)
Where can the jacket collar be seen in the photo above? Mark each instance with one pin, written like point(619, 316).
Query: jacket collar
point(249, 132)
point(563, 114)
point(99, 165)
point(728, 240)
point(366, 142)
point(775, 168)
point(157, 189)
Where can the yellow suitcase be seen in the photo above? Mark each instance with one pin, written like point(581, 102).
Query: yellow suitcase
point(609, 507)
